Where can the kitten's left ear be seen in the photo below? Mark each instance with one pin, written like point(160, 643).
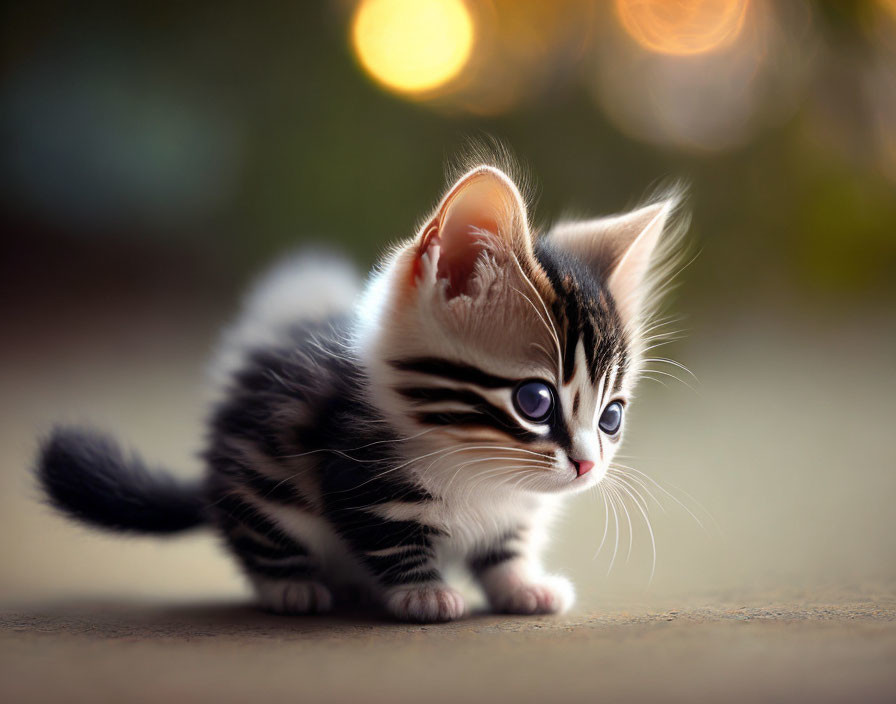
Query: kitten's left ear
point(619, 250)
point(482, 211)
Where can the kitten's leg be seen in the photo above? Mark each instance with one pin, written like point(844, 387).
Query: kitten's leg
point(513, 582)
point(285, 577)
point(284, 572)
point(287, 582)
point(401, 557)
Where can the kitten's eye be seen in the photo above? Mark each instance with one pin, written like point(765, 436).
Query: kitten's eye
point(611, 419)
point(534, 400)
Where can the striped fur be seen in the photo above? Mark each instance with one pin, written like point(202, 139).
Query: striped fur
point(368, 443)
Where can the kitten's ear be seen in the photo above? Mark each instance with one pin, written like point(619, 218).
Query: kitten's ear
point(620, 250)
point(482, 211)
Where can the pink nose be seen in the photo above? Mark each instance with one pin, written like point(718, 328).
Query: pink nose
point(582, 466)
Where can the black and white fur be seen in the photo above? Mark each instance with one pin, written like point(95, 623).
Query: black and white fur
point(366, 439)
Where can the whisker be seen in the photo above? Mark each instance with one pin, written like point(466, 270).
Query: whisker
point(666, 360)
point(699, 505)
point(556, 333)
point(469, 448)
point(523, 460)
point(669, 494)
point(678, 379)
point(637, 494)
point(522, 463)
point(606, 521)
point(628, 518)
point(616, 528)
point(352, 449)
point(666, 340)
point(551, 331)
point(652, 539)
point(623, 476)
point(646, 376)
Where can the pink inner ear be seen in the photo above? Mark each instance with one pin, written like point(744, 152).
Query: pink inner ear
point(460, 239)
point(457, 259)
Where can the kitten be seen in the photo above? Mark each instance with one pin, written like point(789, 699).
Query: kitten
point(368, 439)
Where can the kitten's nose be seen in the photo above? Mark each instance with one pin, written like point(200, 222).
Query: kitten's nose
point(582, 466)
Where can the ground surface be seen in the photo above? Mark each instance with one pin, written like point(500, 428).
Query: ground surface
point(822, 652)
point(784, 452)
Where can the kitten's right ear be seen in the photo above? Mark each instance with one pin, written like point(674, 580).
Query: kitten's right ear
point(620, 251)
point(483, 211)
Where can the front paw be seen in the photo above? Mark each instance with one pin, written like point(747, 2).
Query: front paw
point(425, 604)
point(293, 597)
point(552, 595)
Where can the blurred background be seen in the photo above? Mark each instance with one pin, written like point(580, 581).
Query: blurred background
point(156, 155)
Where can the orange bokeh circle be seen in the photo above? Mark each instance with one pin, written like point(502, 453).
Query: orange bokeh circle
point(682, 27)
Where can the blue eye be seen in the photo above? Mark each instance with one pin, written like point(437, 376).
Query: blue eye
point(611, 419)
point(534, 400)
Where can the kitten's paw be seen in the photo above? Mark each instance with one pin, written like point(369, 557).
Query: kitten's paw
point(552, 595)
point(293, 597)
point(425, 604)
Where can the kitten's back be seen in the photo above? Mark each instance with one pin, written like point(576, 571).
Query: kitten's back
point(303, 287)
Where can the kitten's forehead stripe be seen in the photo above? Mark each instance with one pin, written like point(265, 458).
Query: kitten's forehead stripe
point(572, 329)
point(583, 311)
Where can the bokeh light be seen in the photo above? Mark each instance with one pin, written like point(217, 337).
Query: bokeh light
point(890, 6)
point(412, 46)
point(712, 101)
point(682, 27)
point(522, 47)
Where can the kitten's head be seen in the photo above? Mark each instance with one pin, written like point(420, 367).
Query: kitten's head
point(509, 359)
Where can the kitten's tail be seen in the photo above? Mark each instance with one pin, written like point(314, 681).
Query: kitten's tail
point(86, 475)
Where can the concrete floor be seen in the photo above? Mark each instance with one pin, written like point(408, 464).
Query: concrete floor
point(783, 452)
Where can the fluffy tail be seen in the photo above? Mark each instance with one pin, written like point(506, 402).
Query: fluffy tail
point(88, 477)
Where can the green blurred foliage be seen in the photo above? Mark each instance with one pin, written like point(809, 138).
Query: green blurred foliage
point(325, 155)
